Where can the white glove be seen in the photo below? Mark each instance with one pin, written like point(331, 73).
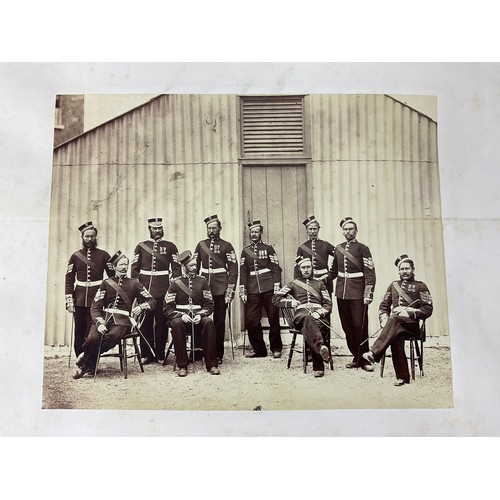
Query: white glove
point(136, 310)
point(101, 328)
point(186, 318)
point(197, 319)
point(315, 315)
point(383, 320)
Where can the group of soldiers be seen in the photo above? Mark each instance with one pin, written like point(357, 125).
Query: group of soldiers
point(191, 292)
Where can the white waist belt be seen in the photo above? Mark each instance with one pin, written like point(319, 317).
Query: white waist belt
point(154, 273)
point(308, 306)
point(317, 272)
point(112, 310)
point(351, 275)
point(260, 271)
point(188, 307)
point(88, 283)
point(213, 271)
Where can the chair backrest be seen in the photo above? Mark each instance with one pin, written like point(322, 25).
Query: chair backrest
point(288, 314)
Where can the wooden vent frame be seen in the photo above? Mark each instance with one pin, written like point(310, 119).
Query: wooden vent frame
point(272, 126)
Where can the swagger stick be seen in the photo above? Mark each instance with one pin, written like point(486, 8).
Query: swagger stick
point(230, 328)
point(365, 308)
point(71, 339)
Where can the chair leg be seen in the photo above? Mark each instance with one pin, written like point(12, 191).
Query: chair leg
point(169, 349)
point(420, 356)
point(304, 355)
point(138, 353)
point(124, 356)
point(382, 365)
point(290, 353)
point(412, 358)
point(120, 354)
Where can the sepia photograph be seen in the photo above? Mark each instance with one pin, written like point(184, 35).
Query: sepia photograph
point(248, 252)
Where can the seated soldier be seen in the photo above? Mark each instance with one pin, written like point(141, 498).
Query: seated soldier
point(311, 301)
point(188, 305)
point(410, 301)
point(111, 311)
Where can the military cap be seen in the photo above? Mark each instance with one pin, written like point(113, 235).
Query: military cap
point(185, 257)
point(211, 218)
point(401, 259)
point(254, 224)
point(300, 259)
point(309, 220)
point(345, 220)
point(117, 257)
point(87, 225)
point(155, 222)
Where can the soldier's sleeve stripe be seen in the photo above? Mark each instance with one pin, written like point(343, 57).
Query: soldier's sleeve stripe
point(368, 262)
point(136, 258)
point(70, 268)
point(146, 294)
point(207, 294)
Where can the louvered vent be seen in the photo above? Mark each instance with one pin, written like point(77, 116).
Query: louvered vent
point(273, 125)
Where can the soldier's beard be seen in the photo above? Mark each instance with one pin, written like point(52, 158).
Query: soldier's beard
point(90, 244)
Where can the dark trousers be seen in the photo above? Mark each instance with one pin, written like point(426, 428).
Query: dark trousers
point(393, 334)
point(109, 340)
point(155, 330)
point(204, 329)
point(253, 316)
point(354, 319)
point(83, 322)
point(219, 316)
point(315, 336)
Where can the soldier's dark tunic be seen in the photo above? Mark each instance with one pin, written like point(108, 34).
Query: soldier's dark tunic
point(403, 293)
point(216, 262)
point(191, 295)
point(319, 252)
point(355, 273)
point(83, 277)
point(313, 297)
point(260, 276)
point(153, 264)
point(111, 307)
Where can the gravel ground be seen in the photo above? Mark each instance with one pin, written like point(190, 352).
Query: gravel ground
point(247, 384)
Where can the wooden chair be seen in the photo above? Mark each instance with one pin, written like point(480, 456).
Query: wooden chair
point(416, 351)
point(122, 353)
point(191, 353)
point(288, 313)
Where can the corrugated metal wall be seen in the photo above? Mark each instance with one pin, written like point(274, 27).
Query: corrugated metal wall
point(177, 157)
point(375, 160)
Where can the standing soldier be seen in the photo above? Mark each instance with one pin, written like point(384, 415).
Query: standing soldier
point(84, 275)
point(353, 267)
point(318, 251)
point(153, 263)
point(260, 278)
point(216, 262)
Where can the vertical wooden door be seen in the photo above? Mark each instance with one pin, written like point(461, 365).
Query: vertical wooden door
point(277, 196)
